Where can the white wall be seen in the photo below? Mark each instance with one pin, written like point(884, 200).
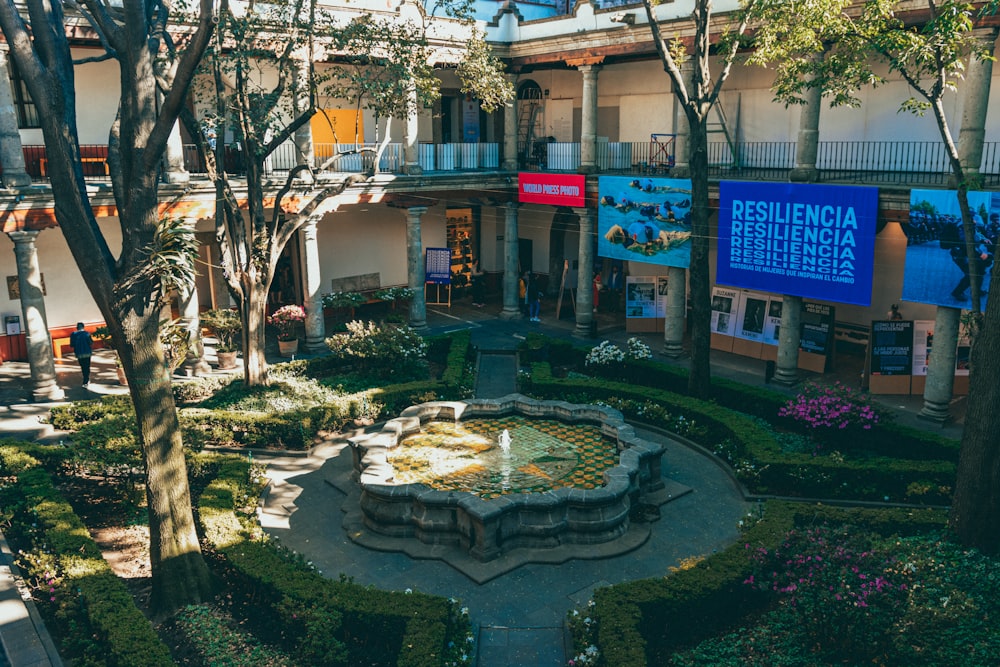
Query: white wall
point(67, 299)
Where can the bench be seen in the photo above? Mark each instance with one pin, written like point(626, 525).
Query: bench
point(42, 162)
point(60, 337)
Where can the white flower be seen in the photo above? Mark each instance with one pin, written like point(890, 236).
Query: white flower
point(408, 591)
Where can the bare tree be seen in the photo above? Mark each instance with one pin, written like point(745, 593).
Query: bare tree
point(127, 288)
point(264, 86)
point(697, 95)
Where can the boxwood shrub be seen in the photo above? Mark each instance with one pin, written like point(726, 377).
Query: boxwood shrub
point(91, 606)
point(643, 622)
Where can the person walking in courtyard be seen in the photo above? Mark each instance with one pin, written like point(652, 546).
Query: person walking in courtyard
point(83, 348)
point(535, 308)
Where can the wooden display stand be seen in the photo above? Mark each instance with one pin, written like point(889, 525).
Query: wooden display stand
point(748, 348)
point(889, 384)
point(722, 342)
point(810, 361)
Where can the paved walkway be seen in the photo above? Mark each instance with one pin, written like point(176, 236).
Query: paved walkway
point(518, 616)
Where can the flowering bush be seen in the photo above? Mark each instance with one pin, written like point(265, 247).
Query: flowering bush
point(636, 349)
point(285, 319)
point(605, 354)
point(843, 592)
point(343, 299)
point(394, 294)
point(832, 410)
point(384, 351)
point(583, 630)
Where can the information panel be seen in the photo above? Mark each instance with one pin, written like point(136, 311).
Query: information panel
point(437, 266)
point(817, 328)
point(892, 347)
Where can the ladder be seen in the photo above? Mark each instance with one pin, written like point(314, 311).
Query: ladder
point(721, 126)
point(528, 108)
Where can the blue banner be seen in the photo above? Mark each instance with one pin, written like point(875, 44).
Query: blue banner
point(813, 241)
point(938, 270)
point(645, 220)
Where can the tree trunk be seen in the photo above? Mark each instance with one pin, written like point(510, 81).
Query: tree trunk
point(975, 510)
point(179, 573)
point(252, 312)
point(699, 380)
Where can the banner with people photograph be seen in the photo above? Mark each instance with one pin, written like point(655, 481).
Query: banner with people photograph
point(645, 220)
point(938, 270)
point(752, 316)
point(815, 241)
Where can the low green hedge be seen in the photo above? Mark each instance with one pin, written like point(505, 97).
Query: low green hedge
point(643, 622)
point(95, 609)
point(757, 457)
point(329, 622)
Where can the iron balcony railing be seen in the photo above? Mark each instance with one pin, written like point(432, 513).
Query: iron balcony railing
point(906, 163)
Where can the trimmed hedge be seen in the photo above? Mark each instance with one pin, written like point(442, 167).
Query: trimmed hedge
point(643, 622)
point(777, 472)
point(329, 622)
point(104, 608)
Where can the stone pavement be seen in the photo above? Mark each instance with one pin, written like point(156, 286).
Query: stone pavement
point(518, 616)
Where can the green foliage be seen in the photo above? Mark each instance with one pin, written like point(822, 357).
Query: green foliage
point(329, 622)
point(384, 351)
point(219, 644)
point(225, 325)
point(77, 591)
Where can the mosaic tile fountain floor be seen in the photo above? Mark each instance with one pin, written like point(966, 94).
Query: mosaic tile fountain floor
point(544, 455)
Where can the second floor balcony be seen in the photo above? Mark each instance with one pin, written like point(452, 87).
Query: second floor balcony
point(902, 163)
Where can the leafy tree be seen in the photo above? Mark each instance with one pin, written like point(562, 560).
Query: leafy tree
point(929, 50)
point(697, 95)
point(154, 74)
point(264, 84)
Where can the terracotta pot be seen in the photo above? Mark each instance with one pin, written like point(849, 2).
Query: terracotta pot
point(227, 360)
point(288, 347)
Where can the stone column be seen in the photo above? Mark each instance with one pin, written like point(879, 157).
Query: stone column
point(11, 153)
point(675, 312)
point(194, 360)
point(39, 344)
point(975, 103)
point(411, 127)
point(305, 152)
point(941, 370)
point(807, 143)
point(787, 369)
point(682, 129)
point(510, 132)
point(588, 135)
point(511, 308)
point(415, 267)
point(173, 158)
point(585, 274)
point(312, 286)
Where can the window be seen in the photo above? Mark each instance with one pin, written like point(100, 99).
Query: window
point(27, 113)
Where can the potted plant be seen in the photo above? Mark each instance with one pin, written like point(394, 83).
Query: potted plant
point(286, 320)
point(103, 336)
point(225, 326)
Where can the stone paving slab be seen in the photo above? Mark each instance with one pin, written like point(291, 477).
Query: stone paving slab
point(527, 647)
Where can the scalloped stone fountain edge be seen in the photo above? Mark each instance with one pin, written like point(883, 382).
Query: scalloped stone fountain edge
point(485, 538)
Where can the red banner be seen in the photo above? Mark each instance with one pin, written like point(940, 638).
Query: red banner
point(552, 189)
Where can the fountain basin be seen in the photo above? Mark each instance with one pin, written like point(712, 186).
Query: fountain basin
point(487, 528)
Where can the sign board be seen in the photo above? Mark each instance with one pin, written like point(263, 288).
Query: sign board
point(437, 266)
point(552, 189)
point(817, 328)
point(640, 296)
point(725, 304)
point(815, 241)
point(892, 347)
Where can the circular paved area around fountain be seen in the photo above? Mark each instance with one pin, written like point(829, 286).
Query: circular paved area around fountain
point(303, 510)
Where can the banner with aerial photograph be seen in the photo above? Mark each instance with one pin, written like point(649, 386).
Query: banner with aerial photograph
point(645, 220)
